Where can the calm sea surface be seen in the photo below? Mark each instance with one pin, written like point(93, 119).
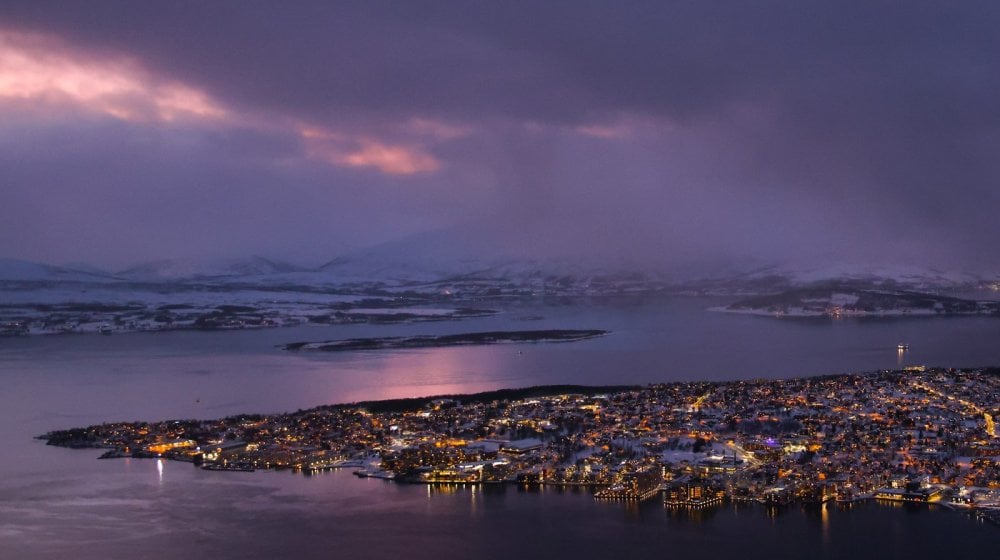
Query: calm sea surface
point(57, 503)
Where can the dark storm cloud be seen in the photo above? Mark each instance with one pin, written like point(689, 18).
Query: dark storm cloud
point(546, 61)
point(197, 193)
point(768, 128)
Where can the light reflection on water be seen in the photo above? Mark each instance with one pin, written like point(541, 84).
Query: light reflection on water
point(198, 374)
point(51, 499)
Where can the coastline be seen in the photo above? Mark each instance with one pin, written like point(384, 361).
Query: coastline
point(692, 441)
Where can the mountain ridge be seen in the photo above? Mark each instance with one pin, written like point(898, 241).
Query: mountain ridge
point(443, 261)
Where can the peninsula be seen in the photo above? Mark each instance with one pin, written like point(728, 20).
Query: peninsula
point(915, 435)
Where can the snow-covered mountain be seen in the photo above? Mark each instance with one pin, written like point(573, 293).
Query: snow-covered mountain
point(459, 260)
point(453, 257)
point(460, 255)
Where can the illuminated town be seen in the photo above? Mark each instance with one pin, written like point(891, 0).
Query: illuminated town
point(914, 435)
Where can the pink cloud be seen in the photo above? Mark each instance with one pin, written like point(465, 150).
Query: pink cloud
point(344, 150)
point(395, 160)
point(43, 71)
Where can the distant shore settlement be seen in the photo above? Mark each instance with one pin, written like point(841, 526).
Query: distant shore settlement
point(917, 435)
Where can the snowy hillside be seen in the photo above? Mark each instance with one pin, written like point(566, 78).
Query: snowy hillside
point(462, 261)
point(456, 256)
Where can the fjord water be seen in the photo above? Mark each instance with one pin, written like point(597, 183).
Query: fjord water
point(56, 502)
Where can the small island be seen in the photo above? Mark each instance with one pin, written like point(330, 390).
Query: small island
point(435, 341)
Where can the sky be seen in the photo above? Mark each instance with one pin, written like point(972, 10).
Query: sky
point(659, 132)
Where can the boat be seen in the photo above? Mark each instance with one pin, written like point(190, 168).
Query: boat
point(902, 346)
